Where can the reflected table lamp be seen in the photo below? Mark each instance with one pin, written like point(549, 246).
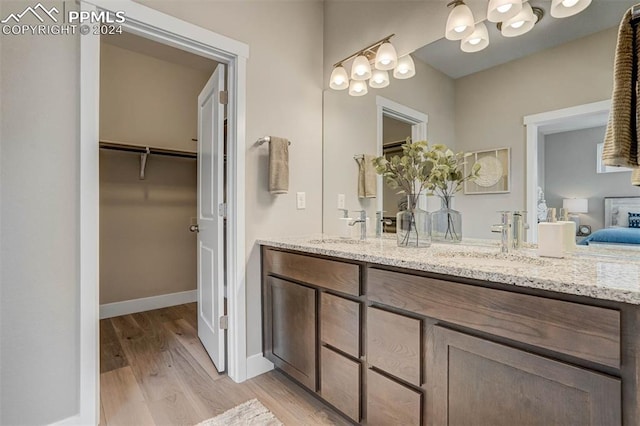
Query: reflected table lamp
point(575, 206)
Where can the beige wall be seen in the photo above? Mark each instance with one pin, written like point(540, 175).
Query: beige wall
point(39, 365)
point(148, 101)
point(491, 106)
point(146, 248)
point(284, 98)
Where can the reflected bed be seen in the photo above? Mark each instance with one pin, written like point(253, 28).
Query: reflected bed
point(622, 222)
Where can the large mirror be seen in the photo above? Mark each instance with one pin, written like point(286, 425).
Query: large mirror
point(474, 102)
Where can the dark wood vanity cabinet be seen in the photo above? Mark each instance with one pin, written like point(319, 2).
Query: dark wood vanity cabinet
point(387, 346)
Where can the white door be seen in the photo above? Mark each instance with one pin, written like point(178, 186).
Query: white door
point(210, 218)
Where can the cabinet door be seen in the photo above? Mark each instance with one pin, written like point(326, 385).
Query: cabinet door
point(475, 381)
point(290, 329)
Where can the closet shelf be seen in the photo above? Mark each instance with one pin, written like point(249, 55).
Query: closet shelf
point(139, 149)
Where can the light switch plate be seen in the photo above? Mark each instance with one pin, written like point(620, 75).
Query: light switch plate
point(301, 200)
point(341, 201)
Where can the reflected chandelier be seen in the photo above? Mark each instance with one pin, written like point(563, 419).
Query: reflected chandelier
point(372, 63)
point(514, 18)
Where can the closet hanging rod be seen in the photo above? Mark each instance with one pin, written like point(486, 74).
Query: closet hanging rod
point(394, 144)
point(138, 149)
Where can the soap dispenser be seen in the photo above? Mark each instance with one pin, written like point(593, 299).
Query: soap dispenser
point(551, 236)
point(569, 231)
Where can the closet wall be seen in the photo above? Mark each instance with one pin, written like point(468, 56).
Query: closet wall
point(146, 248)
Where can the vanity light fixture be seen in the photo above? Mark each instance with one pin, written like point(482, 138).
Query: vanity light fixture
point(566, 8)
point(372, 63)
point(477, 41)
point(502, 10)
point(460, 23)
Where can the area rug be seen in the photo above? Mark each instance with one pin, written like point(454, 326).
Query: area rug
point(249, 413)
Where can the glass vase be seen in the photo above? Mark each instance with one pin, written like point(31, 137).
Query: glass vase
point(446, 223)
point(412, 225)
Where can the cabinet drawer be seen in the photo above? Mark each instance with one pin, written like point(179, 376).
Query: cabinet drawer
point(340, 323)
point(583, 331)
point(390, 403)
point(393, 344)
point(340, 382)
point(334, 275)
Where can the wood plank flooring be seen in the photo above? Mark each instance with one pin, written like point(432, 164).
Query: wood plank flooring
point(154, 371)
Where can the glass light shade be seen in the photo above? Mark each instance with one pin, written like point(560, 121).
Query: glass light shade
point(361, 69)
point(386, 57)
point(520, 24)
point(503, 10)
point(566, 8)
point(358, 88)
point(339, 79)
point(477, 41)
point(460, 23)
point(379, 79)
point(405, 68)
point(576, 205)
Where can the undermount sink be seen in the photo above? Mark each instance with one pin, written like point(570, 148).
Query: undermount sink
point(494, 258)
point(337, 241)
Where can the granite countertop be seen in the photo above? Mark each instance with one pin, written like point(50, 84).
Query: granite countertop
point(601, 273)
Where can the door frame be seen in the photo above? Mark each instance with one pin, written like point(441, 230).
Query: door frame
point(545, 123)
point(157, 26)
point(418, 120)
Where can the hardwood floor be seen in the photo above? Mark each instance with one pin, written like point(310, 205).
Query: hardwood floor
point(154, 371)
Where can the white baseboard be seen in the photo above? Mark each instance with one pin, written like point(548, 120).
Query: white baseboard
point(257, 365)
point(126, 307)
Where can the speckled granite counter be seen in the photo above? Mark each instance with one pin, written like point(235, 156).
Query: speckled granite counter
point(607, 274)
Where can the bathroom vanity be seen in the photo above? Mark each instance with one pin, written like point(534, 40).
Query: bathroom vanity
point(454, 335)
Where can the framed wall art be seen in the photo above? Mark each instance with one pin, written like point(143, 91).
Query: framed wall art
point(494, 176)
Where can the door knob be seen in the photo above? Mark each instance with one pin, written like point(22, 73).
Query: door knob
point(194, 228)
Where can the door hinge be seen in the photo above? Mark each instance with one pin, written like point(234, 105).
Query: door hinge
point(224, 322)
point(222, 209)
point(224, 97)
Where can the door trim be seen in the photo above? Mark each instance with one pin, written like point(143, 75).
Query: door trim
point(149, 23)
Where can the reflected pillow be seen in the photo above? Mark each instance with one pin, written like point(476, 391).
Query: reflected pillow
point(634, 220)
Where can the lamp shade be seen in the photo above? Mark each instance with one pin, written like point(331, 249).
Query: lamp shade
point(405, 68)
point(503, 10)
point(379, 79)
point(358, 88)
point(386, 57)
point(566, 8)
point(477, 41)
point(361, 69)
point(520, 24)
point(460, 22)
point(576, 205)
point(339, 79)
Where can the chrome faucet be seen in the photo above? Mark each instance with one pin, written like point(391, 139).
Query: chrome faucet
point(506, 229)
point(380, 221)
point(363, 224)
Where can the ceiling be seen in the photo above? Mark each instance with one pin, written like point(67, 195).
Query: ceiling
point(446, 56)
point(160, 51)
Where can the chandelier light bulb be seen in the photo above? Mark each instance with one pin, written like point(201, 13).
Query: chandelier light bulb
point(358, 88)
point(503, 10)
point(361, 69)
point(460, 23)
point(477, 41)
point(339, 79)
point(566, 8)
point(520, 24)
point(379, 79)
point(405, 68)
point(386, 57)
